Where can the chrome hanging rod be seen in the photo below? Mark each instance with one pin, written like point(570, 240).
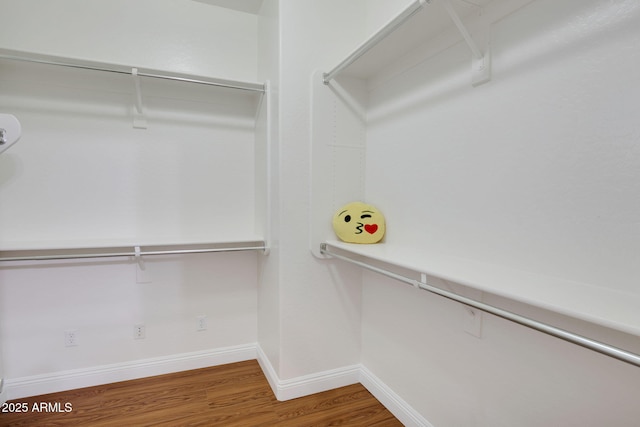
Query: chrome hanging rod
point(232, 84)
point(597, 346)
point(121, 251)
point(390, 27)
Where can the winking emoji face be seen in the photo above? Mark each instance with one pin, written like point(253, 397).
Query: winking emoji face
point(358, 222)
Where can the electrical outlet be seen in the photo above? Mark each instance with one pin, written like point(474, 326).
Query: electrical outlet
point(71, 338)
point(202, 323)
point(139, 331)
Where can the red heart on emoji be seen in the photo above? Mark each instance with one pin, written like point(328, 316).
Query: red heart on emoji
point(371, 228)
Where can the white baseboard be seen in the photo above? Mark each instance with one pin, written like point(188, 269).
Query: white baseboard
point(3, 393)
point(328, 380)
point(307, 384)
point(17, 388)
point(394, 403)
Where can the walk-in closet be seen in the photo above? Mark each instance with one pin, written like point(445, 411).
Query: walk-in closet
point(166, 201)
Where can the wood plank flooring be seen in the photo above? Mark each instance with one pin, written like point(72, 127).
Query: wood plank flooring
point(231, 395)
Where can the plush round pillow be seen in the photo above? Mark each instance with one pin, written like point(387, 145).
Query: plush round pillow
point(359, 222)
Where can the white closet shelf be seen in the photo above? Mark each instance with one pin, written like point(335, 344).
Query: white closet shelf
point(590, 303)
point(40, 251)
point(427, 26)
point(135, 71)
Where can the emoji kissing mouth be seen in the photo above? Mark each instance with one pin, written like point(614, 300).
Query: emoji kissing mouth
point(369, 228)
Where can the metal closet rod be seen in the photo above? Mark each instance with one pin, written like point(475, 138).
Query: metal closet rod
point(136, 251)
point(232, 84)
point(580, 340)
point(390, 27)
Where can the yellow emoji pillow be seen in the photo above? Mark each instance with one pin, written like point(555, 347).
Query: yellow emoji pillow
point(358, 222)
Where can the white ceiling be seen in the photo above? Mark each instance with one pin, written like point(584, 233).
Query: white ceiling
point(249, 6)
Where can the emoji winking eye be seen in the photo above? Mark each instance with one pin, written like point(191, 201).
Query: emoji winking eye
point(358, 222)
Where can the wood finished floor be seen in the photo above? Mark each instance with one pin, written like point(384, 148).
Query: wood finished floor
point(237, 394)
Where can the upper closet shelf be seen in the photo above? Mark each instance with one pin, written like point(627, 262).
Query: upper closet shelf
point(97, 66)
point(109, 249)
point(445, 22)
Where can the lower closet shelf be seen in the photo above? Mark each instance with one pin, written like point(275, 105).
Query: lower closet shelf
point(605, 307)
point(69, 250)
point(513, 284)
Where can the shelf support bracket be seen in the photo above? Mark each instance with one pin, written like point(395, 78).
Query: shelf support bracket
point(480, 59)
point(142, 273)
point(139, 120)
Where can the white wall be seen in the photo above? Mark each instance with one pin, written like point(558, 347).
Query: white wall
point(320, 311)
point(173, 35)
point(417, 345)
point(536, 170)
point(379, 12)
point(309, 323)
point(269, 270)
point(102, 301)
point(83, 173)
point(553, 191)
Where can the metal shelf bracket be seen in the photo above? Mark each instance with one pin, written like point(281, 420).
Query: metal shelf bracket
point(139, 120)
point(480, 59)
